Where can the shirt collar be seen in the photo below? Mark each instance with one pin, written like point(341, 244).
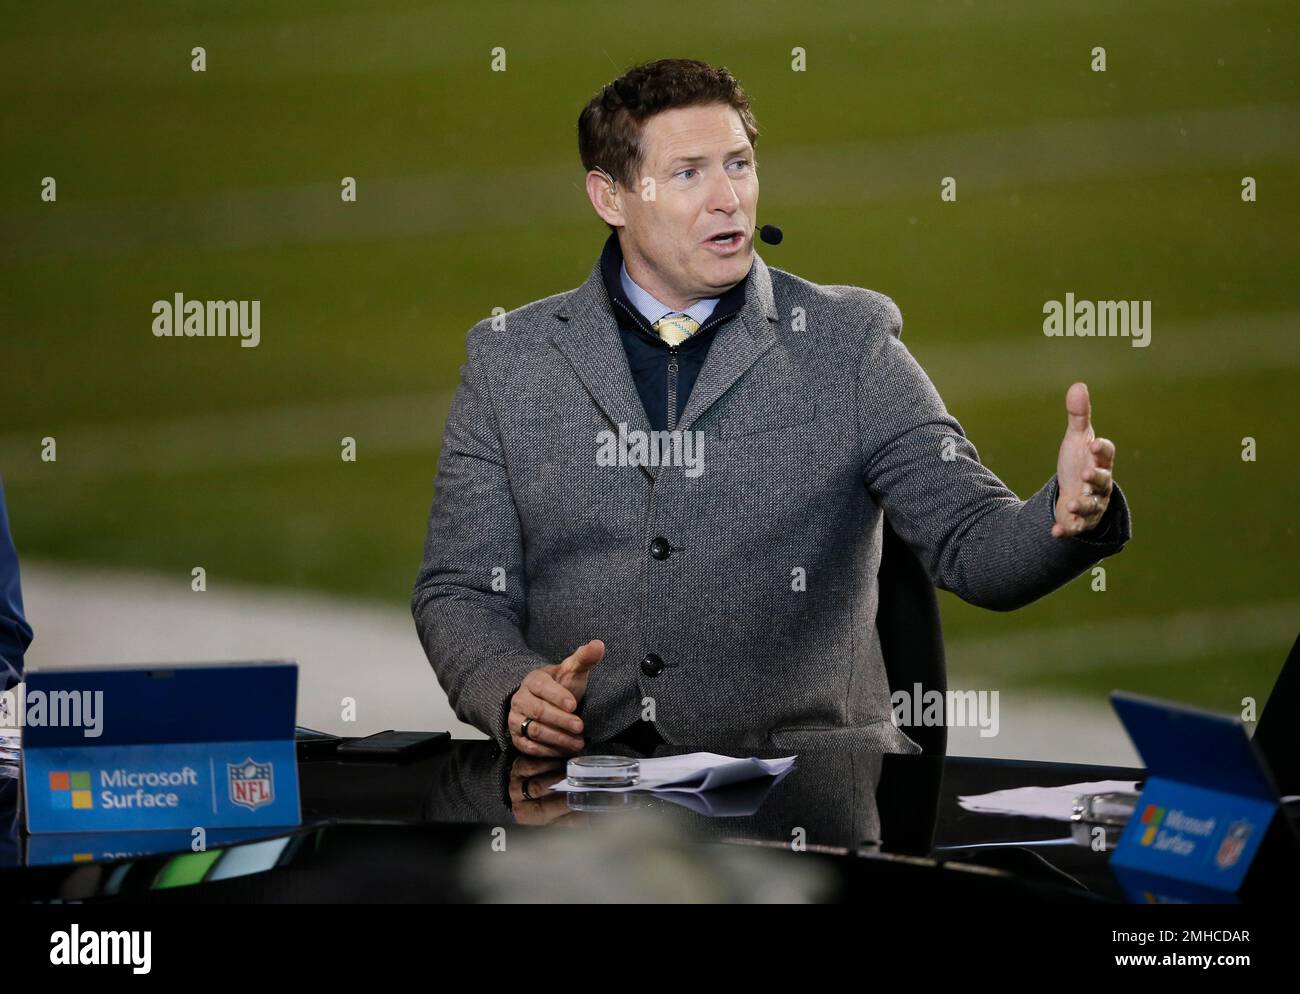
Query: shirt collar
point(653, 310)
point(730, 304)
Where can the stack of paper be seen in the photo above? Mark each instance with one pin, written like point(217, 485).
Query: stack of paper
point(1055, 803)
point(694, 773)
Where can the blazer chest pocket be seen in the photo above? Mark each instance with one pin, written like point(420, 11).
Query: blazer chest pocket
point(788, 420)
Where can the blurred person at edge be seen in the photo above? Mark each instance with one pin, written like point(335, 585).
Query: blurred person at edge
point(15, 637)
point(15, 633)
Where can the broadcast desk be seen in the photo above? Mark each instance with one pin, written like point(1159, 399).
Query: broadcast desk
point(845, 824)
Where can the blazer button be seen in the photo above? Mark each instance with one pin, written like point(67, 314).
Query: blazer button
point(652, 665)
point(660, 548)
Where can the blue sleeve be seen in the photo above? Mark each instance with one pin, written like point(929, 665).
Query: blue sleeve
point(15, 633)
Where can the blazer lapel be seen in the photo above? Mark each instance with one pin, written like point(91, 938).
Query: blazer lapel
point(738, 345)
point(590, 341)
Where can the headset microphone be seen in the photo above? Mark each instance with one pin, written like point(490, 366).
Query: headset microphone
point(771, 234)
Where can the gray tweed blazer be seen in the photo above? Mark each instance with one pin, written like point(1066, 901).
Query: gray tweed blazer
point(752, 621)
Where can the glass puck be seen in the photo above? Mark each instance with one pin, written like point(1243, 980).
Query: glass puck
point(604, 771)
point(604, 801)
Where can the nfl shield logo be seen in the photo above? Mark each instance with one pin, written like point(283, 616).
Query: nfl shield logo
point(251, 784)
point(1233, 843)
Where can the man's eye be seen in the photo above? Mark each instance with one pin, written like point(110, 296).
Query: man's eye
point(683, 173)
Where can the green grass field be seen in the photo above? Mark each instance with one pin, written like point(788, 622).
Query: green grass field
point(224, 184)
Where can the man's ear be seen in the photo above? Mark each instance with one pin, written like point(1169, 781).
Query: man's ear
point(603, 193)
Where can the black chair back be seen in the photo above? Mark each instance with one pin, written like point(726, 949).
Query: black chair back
point(1278, 732)
point(911, 636)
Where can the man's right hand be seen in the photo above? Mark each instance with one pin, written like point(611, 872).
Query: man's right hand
point(550, 696)
point(532, 801)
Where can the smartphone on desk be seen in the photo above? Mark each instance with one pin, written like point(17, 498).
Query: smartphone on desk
point(393, 747)
point(313, 744)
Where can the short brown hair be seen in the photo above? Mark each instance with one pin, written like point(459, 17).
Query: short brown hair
point(609, 127)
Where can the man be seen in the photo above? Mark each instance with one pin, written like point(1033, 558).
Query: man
point(582, 585)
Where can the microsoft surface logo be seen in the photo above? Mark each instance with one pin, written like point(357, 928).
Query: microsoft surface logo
point(1152, 816)
point(70, 790)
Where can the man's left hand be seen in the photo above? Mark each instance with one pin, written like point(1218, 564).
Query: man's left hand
point(1084, 469)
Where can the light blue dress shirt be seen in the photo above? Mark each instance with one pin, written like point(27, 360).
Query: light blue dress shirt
point(653, 310)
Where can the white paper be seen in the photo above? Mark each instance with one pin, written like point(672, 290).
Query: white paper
point(1056, 803)
point(693, 773)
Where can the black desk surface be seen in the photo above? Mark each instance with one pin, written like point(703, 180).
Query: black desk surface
point(847, 823)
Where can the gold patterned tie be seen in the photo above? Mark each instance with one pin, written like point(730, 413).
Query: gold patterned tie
point(676, 328)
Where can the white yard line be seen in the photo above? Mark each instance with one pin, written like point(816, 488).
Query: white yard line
point(1032, 366)
point(343, 648)
point(1046, 153)
point(370, 653)
point(1050, 728)
point(223, 440)
point(1139, 642)
point(1043, 154)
